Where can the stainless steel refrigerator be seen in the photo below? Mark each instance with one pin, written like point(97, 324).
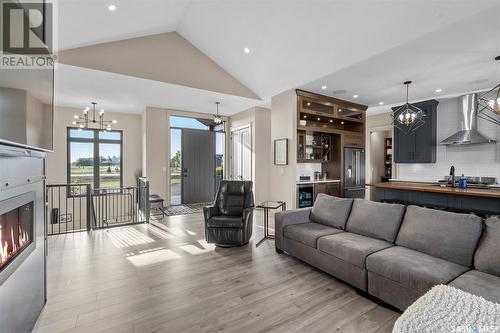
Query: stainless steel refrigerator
point(354, 173)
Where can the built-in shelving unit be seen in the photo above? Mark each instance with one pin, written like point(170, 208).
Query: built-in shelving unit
point(387, 160)
point(325, 126)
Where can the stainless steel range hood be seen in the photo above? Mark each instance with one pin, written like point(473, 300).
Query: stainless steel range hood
point(468, 133)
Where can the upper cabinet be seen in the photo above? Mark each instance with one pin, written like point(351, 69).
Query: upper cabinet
point(418, 146)
point(326, 114)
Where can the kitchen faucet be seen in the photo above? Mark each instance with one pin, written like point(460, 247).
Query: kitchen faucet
point(452, 174)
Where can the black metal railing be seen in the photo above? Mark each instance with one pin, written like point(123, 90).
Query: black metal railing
point(118, 206)
point(68, 208)
point(78, 207)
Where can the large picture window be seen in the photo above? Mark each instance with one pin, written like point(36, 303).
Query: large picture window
point(95, 157)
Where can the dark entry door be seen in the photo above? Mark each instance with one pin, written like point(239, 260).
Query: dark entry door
point(198, 166)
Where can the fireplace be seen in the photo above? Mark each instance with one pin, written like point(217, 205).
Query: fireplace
point(17, 224)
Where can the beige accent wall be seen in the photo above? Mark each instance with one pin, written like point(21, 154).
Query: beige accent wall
point(376, 123)
point(132, 149)
point(39, 129)
point(166, 57)
point(260, 121)
point(156, 146)
point(284, 126)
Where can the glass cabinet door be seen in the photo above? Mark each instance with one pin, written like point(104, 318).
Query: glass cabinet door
point(350, 113)
point(308, 105)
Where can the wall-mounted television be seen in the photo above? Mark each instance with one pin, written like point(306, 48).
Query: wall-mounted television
point(26, 89)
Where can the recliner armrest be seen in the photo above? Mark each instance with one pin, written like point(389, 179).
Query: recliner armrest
point(209, 211)
point(289, 217)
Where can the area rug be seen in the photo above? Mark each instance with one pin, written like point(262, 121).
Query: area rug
point(445, 309)
point(185, 209)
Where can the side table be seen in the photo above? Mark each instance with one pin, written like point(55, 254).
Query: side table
point(268, 205)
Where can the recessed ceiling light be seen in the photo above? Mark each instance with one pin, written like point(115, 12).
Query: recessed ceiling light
point(381, 103)
point(112, 8)
point(323, 87)
point(355, 96)
point(246, 50)
point(438, 90)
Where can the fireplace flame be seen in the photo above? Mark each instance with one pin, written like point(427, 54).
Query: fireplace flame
point(6, 251)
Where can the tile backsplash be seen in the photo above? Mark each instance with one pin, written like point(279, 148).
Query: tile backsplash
point(307, 169)
point(474, 160)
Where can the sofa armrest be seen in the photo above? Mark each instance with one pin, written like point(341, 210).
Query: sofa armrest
point(289, 217)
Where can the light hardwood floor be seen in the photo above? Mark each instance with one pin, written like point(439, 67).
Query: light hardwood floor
point(165, 278)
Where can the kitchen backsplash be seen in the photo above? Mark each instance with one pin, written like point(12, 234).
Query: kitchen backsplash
point(474, 160)
point(308, 169)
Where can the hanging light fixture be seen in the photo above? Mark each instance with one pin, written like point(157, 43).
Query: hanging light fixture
point(96, 121)
point(489, 104)
point(217, 118)
point(408, 117)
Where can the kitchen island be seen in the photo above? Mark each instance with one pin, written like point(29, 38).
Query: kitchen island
point(481, 201)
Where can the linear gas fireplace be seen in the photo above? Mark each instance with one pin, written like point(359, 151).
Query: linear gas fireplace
point(17, 223)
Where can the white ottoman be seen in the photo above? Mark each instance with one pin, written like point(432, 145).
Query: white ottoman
point(446, 309)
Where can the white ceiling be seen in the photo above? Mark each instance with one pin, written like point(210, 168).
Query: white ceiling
point(88, 22)
point(365, 47)
point(458, 58)
point(77, 87)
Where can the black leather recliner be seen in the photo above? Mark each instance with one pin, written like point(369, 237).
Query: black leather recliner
point(229, 221)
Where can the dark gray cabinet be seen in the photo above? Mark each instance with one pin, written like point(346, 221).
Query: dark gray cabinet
point(418, 146)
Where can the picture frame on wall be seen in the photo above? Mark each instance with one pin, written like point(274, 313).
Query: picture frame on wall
point(281, 152)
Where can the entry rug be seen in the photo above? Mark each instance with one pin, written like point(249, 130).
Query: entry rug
point(445, 309)
point(185, 209)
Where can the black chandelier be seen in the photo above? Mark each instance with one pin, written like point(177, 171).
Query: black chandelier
point(489, 104)
point(96, 121)
point(217, 118)
point(408, 117)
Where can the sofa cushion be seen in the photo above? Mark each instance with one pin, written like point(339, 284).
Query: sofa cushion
point(352, 248)
point(412, 269)
point(446, 235)
point(487, 258)
point(479, 283)
point(331, 211)
point(308, 233)
point(225, 222)
point(375, 219)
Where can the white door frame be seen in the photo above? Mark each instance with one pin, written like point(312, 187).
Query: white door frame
point(235, 129)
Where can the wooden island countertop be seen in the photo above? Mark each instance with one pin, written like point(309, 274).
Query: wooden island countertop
point(435, 188)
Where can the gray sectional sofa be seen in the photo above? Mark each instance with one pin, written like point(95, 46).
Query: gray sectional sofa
point(393, 252)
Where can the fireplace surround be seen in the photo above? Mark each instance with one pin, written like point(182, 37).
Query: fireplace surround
point(22, 220)
point(17, 224)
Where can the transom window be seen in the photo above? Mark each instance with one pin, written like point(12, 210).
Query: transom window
point(95, 157)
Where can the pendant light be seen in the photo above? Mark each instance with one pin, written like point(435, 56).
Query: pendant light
point(217, 117)
point(96, 121)
point(408, 118)
point(489, 104)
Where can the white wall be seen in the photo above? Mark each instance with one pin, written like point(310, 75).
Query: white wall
point(284, 125)
point(132, 153)
point(473, 160)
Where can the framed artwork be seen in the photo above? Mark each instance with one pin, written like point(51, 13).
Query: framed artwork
point(281, 152)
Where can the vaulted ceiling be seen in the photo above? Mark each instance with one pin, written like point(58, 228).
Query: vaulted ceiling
point(363, 47)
